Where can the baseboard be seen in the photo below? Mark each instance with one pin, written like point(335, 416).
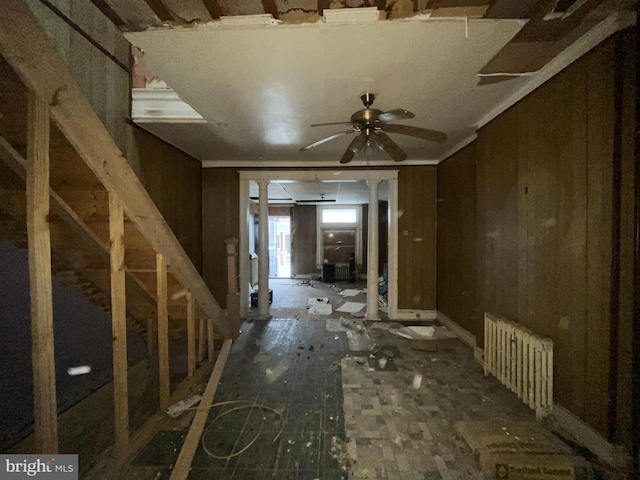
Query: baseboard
point(578, 430)
point(405, 314)
point(583, 434)
point(465, 336)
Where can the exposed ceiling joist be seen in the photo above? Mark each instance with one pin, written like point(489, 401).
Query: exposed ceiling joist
point(135, 14)
point(159, 10)
point(188, 11)
point(270, 7)
point(541, 40)
point(510, 8)
point(214, 8)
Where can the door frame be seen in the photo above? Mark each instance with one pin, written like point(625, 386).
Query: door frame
point(389, 176)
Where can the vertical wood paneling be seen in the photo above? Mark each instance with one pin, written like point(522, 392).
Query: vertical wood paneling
point(174, 182)
point(417, 238)
point(104, 83)
point(220, 197)
point(544, 187)
point(600, 135)
point(457, 240)
point(303, 239)
point(626, 344)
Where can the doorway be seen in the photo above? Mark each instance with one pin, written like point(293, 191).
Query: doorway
point(280, 246)
point(321, 177)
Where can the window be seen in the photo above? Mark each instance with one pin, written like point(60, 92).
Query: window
point(339, 234)
point(340, 215)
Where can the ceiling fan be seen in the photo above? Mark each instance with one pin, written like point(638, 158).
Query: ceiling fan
point(372, 126)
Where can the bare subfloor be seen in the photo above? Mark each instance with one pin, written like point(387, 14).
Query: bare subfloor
point(329, 412)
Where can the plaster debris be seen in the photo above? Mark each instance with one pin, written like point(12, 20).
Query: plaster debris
point(415, 333)
point(350, 292)
point(182, 406)
point(319, 306)
point(350, 307)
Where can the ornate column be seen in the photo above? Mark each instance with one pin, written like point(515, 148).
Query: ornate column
point(263, 254)
point(372, 253)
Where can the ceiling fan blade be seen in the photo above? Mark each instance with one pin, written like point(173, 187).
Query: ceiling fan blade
point(332, 123)
point(355, 146)
point(395, 115)
point(326, 139)
point(389, 146)
point(424, 133)
point(348, 156)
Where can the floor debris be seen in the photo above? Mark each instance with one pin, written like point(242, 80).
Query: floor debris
point(415, 333)
point(350, 307)
point(350, 292)
point(182, 406)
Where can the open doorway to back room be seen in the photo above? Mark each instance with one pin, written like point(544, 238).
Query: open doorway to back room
point(280, 246)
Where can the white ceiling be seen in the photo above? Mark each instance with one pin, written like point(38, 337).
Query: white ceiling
point(260, 87)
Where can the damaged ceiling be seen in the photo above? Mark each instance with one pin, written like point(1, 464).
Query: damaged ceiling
point(258, 83)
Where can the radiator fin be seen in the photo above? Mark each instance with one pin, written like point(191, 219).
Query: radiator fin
point(521, 360)
point(342, 272)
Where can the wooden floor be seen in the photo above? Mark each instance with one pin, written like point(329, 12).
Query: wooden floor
point(327, 413)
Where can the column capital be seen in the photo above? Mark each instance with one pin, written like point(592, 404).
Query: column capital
point(373, 183)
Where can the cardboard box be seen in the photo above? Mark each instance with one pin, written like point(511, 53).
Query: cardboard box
point(522, 451)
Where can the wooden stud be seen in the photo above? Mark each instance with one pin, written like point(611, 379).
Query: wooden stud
point(152, 337)
point(191, 337)
point(163, 331)
point(119, 326)
point(44, 366)
point(30, 52)
point(210, 339)
point(233, 297)
point(191, 443)
point(201, 339)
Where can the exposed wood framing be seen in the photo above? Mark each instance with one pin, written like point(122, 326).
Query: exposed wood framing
point(210, 346)
point(163, 332)
point(119, 327)
point(510, 8)
point(90, 250)
point(233, 297)
point(135, 14)
point(270, 7)
point(322, 4)
point(183, 463)
point(30, 52)
point(187, 11)
point(191, 337)
point(44, 364)
point(159, 10)
point(214, 8)
point(201, 338)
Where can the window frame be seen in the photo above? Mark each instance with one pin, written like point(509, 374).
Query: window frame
point(321, 227)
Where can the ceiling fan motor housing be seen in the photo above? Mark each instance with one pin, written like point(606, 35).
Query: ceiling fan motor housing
point(366, 117)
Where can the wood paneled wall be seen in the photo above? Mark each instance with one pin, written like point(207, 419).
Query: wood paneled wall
point(220, 219)
point(545, 230)
point(303, 239)
point(417, 238)
point(102, 75)
point(544, 224)
point(174, 182)
point(457, 240)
